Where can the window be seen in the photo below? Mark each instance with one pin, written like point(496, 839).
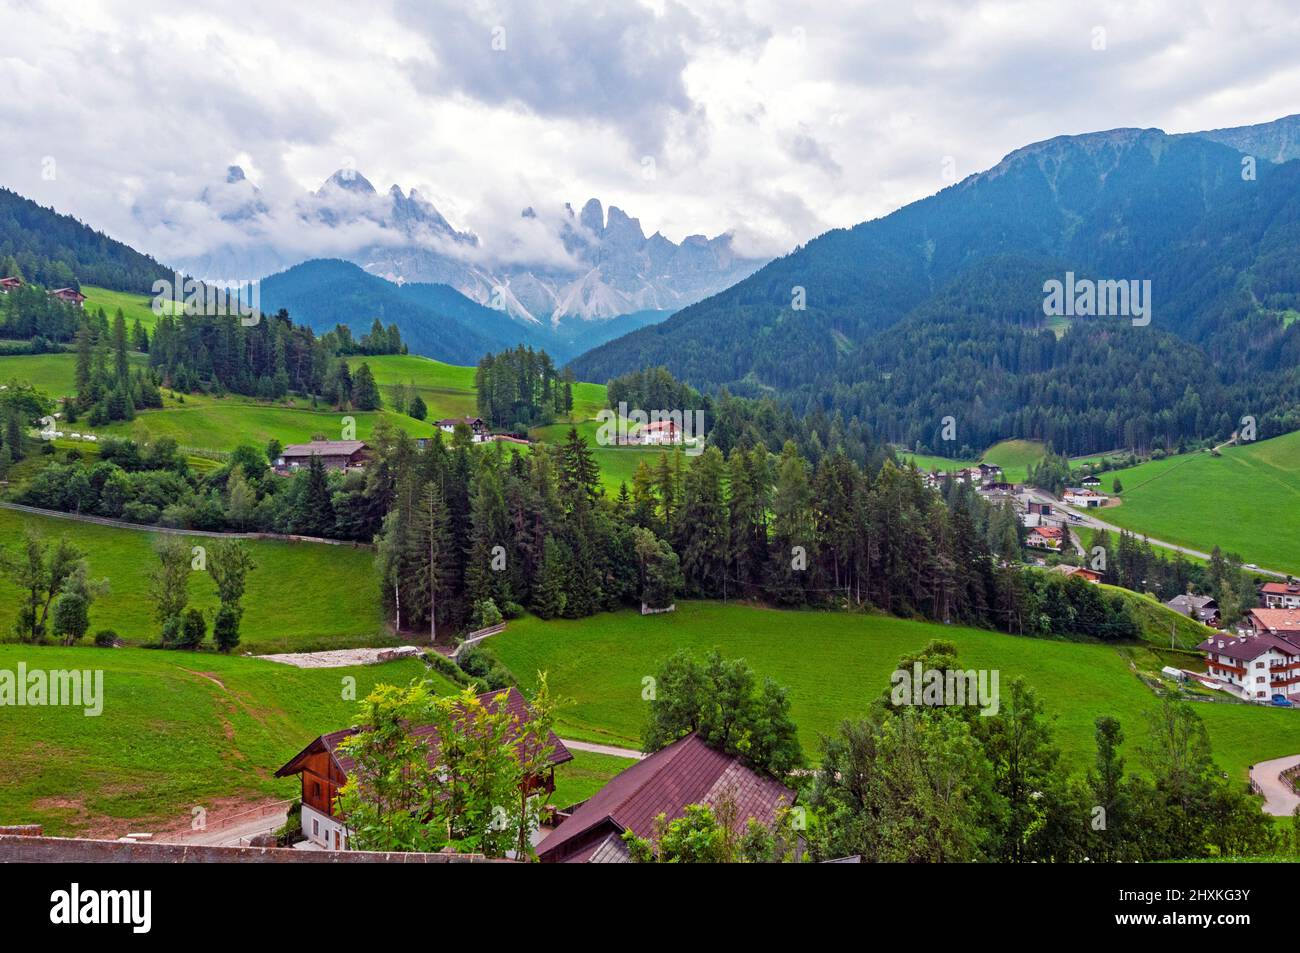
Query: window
point(315, 827)
point(1259, 664)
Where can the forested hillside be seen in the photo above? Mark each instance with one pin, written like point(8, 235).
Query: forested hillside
point(937, 309)
point(58, 251)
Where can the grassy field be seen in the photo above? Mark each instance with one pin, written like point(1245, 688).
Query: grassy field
point(1013, 456)
point(834, 663)
point(302, 596)
point(1233, 501)
point(586, 774)
point(224, 423)
point(53, 374)
point(133, 305)
point(177, 731)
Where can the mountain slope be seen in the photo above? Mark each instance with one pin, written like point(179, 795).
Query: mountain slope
point(57, 250)
point(324, 293)
point(960, 275)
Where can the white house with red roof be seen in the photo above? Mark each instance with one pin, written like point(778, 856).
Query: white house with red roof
point(1045, 537)
point(1253, 667)
point(1280, 595)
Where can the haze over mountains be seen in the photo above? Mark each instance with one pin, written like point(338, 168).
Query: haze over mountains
point(562, 266)
point(936, 309)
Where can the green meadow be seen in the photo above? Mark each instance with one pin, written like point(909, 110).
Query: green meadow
point(1013, 456)
point(833, 664)
point(301, 596)
point(1241, 501)
point(53, 374)
point(133, 306)
point(178, 730)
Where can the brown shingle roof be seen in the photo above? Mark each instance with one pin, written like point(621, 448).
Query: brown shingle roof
point(514, 701)
point(686, 772)
point(1247, 648)
point(327, 448)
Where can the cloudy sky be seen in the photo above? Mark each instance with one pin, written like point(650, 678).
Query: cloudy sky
point(772, 118)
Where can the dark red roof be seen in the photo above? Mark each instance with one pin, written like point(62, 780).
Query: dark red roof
point(1247, 648)
point(686, 772)
point(514, 701)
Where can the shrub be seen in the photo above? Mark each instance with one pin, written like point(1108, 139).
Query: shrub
point(105, 638)
point(486, 614)
point(193, 629)
point(481, 665)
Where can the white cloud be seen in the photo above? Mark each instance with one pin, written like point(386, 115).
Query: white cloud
point(772, 118)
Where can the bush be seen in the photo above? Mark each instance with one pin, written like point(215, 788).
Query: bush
point(193, 629)
point(481, 665)
point(225, 628)
point(512, 610)
point(105, 638)
point(486, 614)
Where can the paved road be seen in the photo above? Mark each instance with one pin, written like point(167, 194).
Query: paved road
point(1279, 799)
point(1087, 519)
point(603, 749)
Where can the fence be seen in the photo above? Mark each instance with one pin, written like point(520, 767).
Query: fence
point(474, 638)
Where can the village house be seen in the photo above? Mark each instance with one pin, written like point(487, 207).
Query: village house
point(341, 455)
point(659, 432)
point(686, 772)
point(324, 768)
point(70, 296)
point(1280, 595)
point(1201, 608)
point(1090, 482)
point(477, 428)
point(1081, 571)
point(1046, 537)
point(1079, 496)
point(1284, 623)
point(1254, 667)
point(9, 284)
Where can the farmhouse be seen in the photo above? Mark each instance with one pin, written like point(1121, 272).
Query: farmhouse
point(660, 432)
point(1090, 482)
point(1082, 572)
point(1045, 537)
point(686, 772)
point(9, 284)
point(1254, 667)
point(1079, 496)
point(324, 770)
point(1280, 595)
point(477, 428)
point(335, 454)
point(1201, 608)
point(69, 295)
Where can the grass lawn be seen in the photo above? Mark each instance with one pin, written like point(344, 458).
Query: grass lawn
point(586, 774)
point(834, 663)
point(178, 730)
point(1232, 501)
point(301, 596)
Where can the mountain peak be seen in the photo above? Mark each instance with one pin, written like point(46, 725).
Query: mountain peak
point(349, 180)
point(234, 174)
point(592, 217)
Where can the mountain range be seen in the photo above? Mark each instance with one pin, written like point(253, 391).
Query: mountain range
point(593, 265)
point(936, 310)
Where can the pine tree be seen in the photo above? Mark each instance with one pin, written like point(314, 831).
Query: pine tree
point(549, 590)
point(365, 393)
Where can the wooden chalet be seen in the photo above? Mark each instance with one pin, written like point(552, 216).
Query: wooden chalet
point(70, 296)
point(9, 284)
point(323, 768)
point(687, 772)
point(334, 454)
